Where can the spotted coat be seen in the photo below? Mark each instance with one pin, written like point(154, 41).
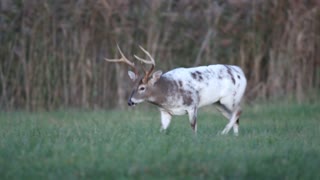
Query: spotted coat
point(184, 90)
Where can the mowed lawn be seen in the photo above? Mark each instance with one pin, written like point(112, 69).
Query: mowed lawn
point(275, 142)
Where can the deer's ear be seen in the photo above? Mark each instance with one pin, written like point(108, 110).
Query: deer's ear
point(155, 77)
point(132, 75)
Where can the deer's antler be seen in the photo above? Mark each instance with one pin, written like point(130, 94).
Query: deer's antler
point(124, 60)
point(151, 61)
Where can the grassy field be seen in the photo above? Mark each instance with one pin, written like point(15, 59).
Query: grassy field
point(275, 142)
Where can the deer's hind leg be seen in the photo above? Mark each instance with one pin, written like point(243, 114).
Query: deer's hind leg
point(232, 113)
point(223, 110)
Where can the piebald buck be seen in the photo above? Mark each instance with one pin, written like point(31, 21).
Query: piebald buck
point(184, 90)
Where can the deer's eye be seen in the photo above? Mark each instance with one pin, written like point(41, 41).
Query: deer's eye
point(142, 88)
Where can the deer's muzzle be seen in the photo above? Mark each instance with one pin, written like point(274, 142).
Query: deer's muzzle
point(130, 103)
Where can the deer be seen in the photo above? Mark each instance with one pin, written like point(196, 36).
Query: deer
point(184, 90)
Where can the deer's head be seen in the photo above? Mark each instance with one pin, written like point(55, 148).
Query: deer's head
point(143, 84)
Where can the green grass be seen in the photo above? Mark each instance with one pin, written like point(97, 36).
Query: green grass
point(275, 142)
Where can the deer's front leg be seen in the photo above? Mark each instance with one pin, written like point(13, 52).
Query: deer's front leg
point(193, 119)
point(165, 120)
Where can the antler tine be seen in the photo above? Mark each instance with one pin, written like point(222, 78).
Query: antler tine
point(151, 61)
point(123, 59)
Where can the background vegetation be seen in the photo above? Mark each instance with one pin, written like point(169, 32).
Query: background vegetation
point(52, 51)
point(51, 57)
point(275, 142)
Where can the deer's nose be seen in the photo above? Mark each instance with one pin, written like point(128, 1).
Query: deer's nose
point(130, 103)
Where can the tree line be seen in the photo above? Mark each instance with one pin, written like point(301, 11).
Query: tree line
point(52, 52)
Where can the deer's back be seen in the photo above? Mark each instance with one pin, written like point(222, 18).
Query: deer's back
point(203, 85)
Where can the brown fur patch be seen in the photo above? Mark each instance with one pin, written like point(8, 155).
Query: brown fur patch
point(198, 96)
point(230, 73)
point(239, 113)
point(187, 98)
point(234, 100)
point(197, 75)
point(193, 124)
point(162, 88)
point(194, 75)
